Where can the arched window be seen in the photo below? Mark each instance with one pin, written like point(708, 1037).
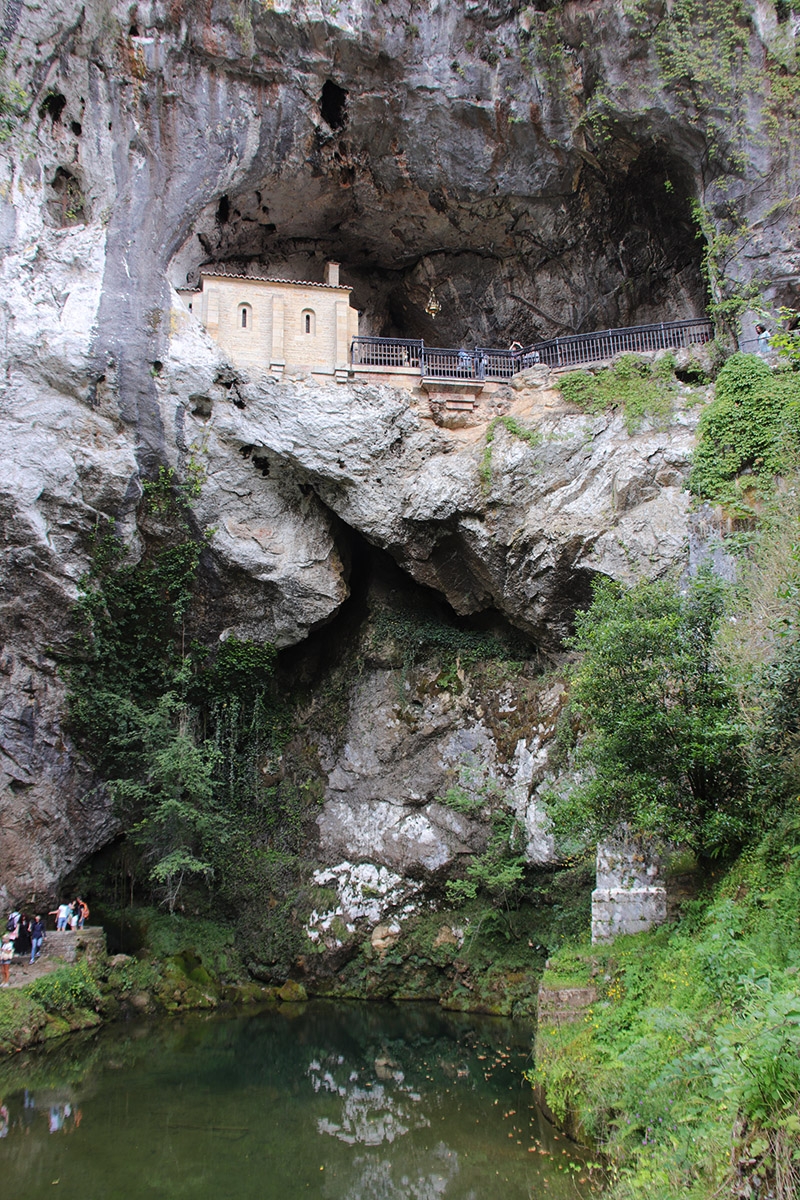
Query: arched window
point(308, 323)
point(245, 316)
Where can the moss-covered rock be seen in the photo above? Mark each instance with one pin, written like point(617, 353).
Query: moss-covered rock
point(21, 1020)
point(292, 992)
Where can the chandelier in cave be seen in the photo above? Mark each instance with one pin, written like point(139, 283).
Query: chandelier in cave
point(433, 307)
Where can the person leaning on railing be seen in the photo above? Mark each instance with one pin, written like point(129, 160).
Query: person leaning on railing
point(764, 338)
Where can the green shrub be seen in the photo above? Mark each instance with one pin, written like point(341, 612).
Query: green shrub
point(65, 990)
point(643, 390)
point(748, 435)
point(664, 748)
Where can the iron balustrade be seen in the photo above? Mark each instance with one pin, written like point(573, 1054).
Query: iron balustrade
point(488, 363)
point(385, 352)
point(583, 348)
point(450, 364)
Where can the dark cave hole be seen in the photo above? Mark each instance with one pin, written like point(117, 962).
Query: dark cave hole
point(134, 31)
point(333, 105)
point(76, 128)
point(223, 210)
point(377, 583)
point(67, 205)
point(201, 406)
point(52, 106)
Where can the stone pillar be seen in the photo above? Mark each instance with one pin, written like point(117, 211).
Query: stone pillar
point(211, 311)
point(342, 345)
point(277, 360)
point(630, 896)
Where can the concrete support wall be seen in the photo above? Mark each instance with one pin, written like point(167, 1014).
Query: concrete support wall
point(630, 895)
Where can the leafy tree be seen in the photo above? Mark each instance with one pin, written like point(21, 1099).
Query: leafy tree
point(500, 871)
point(664, 743)
point(181, 733)
point(170, 804)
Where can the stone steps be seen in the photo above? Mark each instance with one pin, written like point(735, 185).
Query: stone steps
point(70, 945)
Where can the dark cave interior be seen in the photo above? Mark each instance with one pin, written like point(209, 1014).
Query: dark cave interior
point(621, 249)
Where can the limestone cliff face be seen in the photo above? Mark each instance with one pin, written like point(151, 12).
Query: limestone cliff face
point(290, 472)
point(535, 168)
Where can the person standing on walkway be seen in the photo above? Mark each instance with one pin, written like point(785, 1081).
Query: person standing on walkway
point(764, 337)
point(37, 937)
point(6, 955)
point(22, 942)
point(61, 915)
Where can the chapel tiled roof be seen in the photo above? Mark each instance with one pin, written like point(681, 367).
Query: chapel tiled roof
point(216, 274)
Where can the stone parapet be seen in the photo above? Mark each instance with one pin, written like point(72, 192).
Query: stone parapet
point(620, 910)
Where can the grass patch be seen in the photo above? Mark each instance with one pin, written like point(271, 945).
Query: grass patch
point(643, 390)
point(687, 1068)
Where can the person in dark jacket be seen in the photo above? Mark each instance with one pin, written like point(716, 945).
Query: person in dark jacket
point(22, 944)
point(37, 937)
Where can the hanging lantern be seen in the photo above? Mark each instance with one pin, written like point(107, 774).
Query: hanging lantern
point(433, 307)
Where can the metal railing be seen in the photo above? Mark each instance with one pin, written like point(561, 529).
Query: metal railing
point(583, 348)
point(486, 363)
point(385, 352)
point(756, 346)
point(450, 364)
point(497, 364)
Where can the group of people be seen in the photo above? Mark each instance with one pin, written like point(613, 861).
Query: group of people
point(20, 1113)
point(25, 935)
point(71, 916)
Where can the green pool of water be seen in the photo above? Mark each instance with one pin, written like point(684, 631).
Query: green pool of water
point(339, 1101)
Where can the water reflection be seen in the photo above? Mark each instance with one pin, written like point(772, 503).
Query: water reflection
point(344, 1102)
point(57, 1113)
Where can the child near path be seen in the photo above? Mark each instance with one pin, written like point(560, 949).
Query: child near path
point(6, 955)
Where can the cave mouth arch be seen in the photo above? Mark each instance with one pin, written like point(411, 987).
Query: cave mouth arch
point(620, 248)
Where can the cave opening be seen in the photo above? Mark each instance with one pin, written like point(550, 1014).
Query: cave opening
point(656, 236)
point(333, 105)
point(621, 249)
point(378, 584)
point(52, 106)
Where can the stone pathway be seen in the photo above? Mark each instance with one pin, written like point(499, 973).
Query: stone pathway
point(60, 949)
